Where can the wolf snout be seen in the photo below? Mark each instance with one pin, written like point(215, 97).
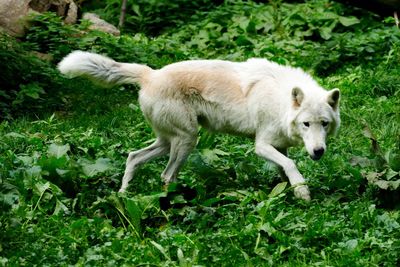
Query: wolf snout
point(317, 153)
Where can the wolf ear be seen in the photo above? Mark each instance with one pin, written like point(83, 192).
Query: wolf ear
point(297, 96)
point(333, 98)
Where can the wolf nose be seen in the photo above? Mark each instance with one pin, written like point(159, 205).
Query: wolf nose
point(318, 152)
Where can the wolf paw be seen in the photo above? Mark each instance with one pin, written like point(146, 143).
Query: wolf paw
point(302, 192)
point(122, 190)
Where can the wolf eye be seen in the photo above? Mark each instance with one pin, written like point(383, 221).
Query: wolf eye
point(325, 123)
point(306, 123)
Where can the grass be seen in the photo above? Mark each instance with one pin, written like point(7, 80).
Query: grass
point(61, 167)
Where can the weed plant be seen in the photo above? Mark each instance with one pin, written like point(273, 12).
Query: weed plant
point(64, 143)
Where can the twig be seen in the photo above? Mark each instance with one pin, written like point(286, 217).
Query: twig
point(123, 13)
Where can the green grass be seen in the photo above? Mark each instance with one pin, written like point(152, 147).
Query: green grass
point(60, 167)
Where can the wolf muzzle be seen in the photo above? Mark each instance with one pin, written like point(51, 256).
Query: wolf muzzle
point(318, 153)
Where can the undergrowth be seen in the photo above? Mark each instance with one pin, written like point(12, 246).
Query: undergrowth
point(64, 143)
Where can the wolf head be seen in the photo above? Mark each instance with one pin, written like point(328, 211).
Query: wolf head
point(314, 116)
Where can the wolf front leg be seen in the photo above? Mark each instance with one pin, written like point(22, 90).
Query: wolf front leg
point(270, 153)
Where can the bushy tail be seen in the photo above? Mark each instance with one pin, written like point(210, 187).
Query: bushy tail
point(102, 70)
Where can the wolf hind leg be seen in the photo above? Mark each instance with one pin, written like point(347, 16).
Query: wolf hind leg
point(181, 147)
point(159, 148)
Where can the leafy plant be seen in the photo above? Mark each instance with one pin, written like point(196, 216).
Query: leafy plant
point(151, 17)
point(48, 33)
point(24, 80)
point(64, 146)
point(385, 174)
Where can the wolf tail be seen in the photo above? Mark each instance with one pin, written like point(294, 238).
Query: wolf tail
point(102, 70)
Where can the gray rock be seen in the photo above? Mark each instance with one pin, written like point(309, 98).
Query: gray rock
point(14, 14)
point(100, 25)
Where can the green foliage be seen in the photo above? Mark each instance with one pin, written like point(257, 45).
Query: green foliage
point(48, 33)
point(61, 167)
point(24, 79)
point(151, 17)
point(320, 33)
point(385, 171)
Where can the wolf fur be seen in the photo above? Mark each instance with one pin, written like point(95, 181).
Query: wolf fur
point(279, 106)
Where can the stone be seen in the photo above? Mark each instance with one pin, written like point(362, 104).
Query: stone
point(13, 16)
point(14, 13)
point(100, 25)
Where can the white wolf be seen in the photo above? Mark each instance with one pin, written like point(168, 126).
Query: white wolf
point(277, 105)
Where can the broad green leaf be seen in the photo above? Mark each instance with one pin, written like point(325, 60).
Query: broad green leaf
point(326, 33)
point(234, 195)
point(268, 228)
point(40, 187)
point(178, 199)
point(395, 184)
point(15, 135)
point(389, 222)
point(361, 161)
point(121, 207)
point(251, 27)
point(101, 165)
point(376, 179)
point(60, 208)
point(134, 208)
point(136, 9)
point(55, 189)
point(212, 155)
point(58, 151)
point(32, 90)
point(348, 21)
point(326, 15)
point(9, 199)
point(209, 156)
point(182, 261)
point(27, 160)
point(243, 40)
point(51, 164)
point(390, 174)
point(281, 216)
point(149, 201)
point(374, 142)
point(62, 172)
point(243, 22)
point(160, 248)
point(134, 212)
point(394, 161)
point(279, 188)
point(211, 201)
point(382, 184)
point(33, 172)
point(350, 244)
